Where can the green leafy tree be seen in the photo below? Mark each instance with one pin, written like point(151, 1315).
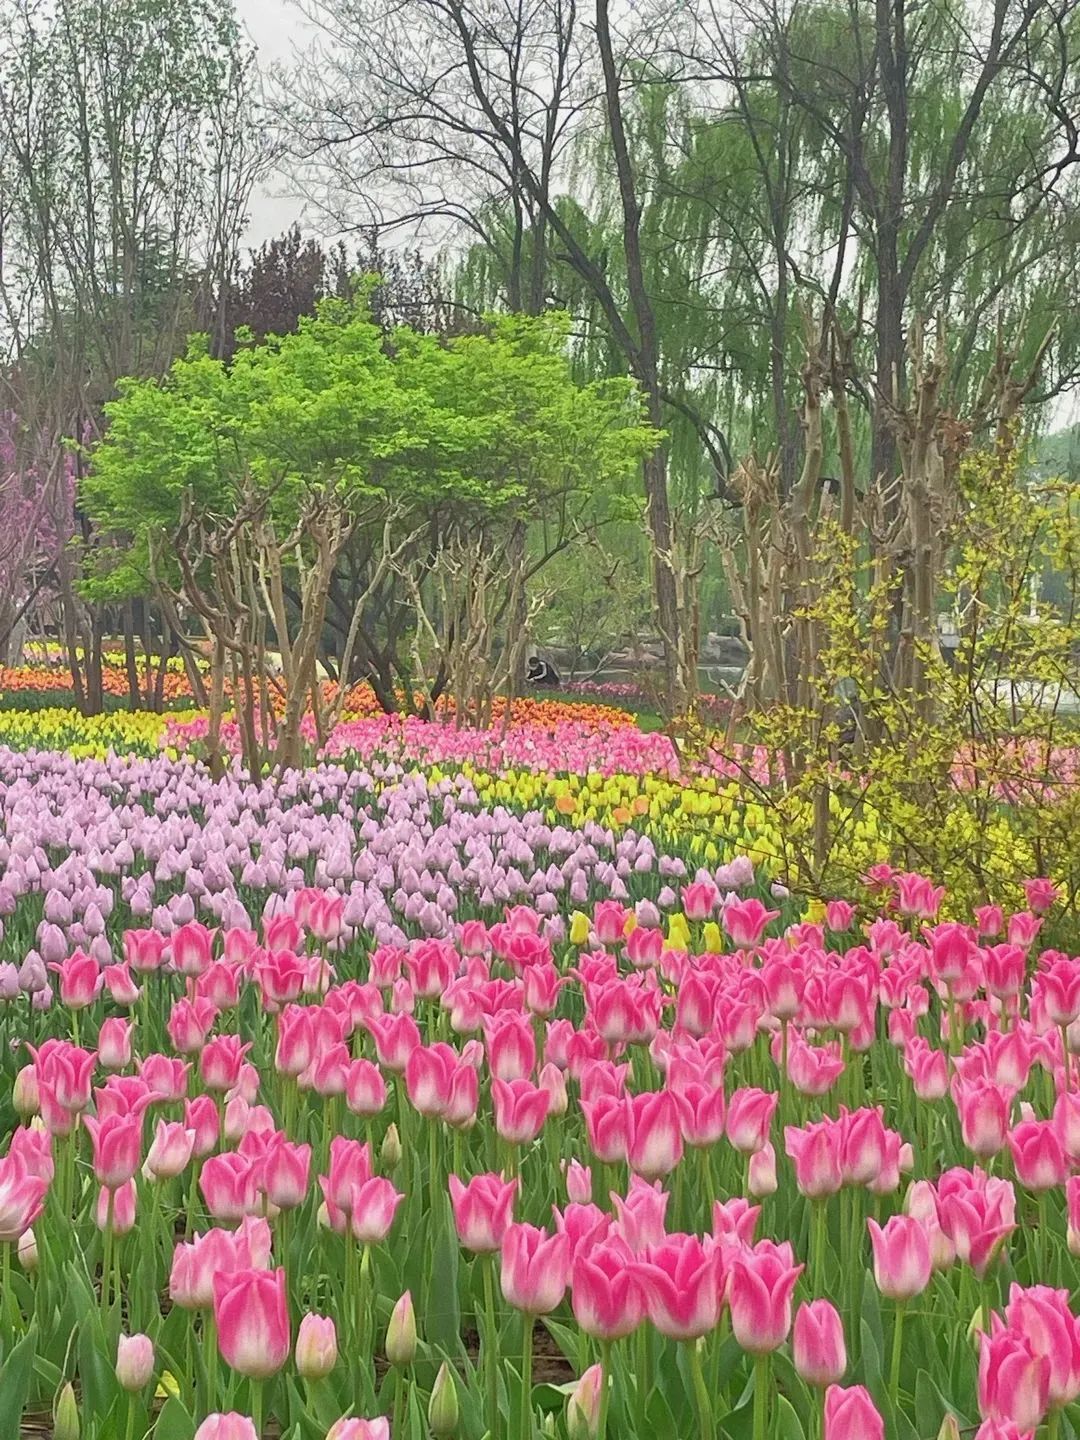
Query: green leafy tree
point(234, 491)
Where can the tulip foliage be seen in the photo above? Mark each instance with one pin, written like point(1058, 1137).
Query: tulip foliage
point(354, 1112)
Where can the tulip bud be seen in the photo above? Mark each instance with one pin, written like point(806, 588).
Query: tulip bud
point(24, 1092)
point(761, 1173)
point(579, 928)
point(401, 1333)
point(66, 1415)
point(316, 1347)
point(27, 1250)
point(134, 1361)
point(443, 1405)
point(950, 1429)
point(390, 1154)
point(583, 1406)
point(977, 1327)
point(712, 938)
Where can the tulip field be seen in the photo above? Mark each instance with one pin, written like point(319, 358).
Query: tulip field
point(460, 1089)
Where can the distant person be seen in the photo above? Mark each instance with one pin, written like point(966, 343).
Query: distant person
point(541, 673)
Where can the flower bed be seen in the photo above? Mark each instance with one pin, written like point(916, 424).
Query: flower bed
point(359, 1107)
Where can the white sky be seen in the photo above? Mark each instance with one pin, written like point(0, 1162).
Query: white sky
point(274, 27)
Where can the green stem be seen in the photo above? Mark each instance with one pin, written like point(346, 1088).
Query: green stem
point(210, 1361)
point(761, 1396)
point(491, 1347)
point(605, 1389)
point(106, 1262)
point(129, 1429)
point(256, 1392)
point(894, 1369)
point(702, 1401)
point(525, 1430)
point(1053, 1425)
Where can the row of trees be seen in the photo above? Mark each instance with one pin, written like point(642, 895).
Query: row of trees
point(832, 244)
point(741, 206)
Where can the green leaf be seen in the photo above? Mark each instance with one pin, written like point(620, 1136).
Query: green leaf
point(15, 1385)
point(174, 1422)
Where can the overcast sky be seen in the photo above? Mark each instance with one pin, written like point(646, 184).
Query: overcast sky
point(274, 26)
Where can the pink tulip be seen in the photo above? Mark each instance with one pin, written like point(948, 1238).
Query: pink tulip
point(120, 1204)
point(170, 1151)
point(190, 947)
point(927, 1070)
point(1002, 1430)
point(762, 1283)
point(1014, 1381)
point(316, 1347)
point(144, 950)
point(228, 1426)
point(511, 1046)
point(286, 1174)
point(735, 1220)
point(21, 1197)
point(81, 980)
point(818, 1347)
point(114, 1043)
point(189, 1024)
point(520, 1110)
point(977, 1213)
point(1043, 1317)
point(374, 1207)
point(1041, 894)
point(984, 1109)
point(816, 1152)
point(605, 1295)
point(761, 1180)
point(609, 922)
point(117, 1148)
point(606, 1126)
point(365, 1088)
point(396, 1037)
point(353, 1429)
point(699, 900)
point(745, 921)
point(429, 1075)
point(252, 1318)
point(535, 1268)
point(655, 1142)
point(228, 1185)
point(839, 915)
point(1040, 1160)
point(350, 1170)
point(683, 1283)
point(901, 1257)
point(134, 1361)
point(850, 1414)
point(167, 1078)
point(201, 1117)
point(702, 1113)
point(750, 1114)
point(220, 1062)
point(578, 1182)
